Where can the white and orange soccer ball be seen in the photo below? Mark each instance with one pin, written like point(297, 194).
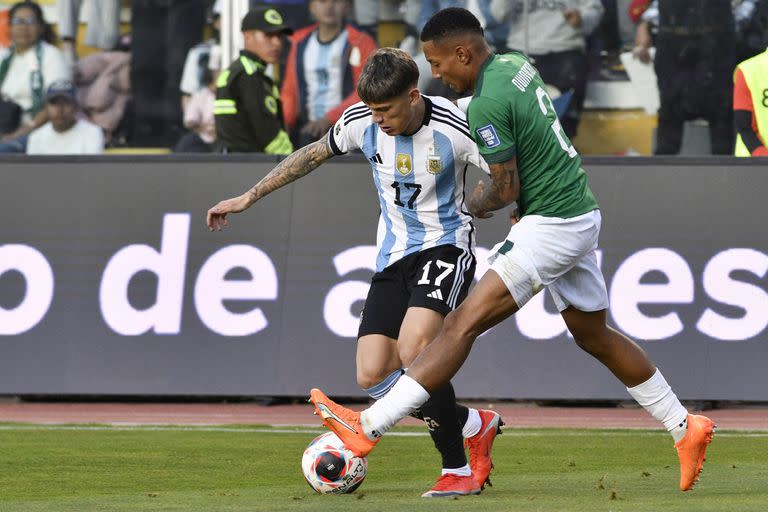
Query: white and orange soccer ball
point(329, 468)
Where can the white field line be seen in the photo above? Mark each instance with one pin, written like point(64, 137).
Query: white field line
point(509, 432)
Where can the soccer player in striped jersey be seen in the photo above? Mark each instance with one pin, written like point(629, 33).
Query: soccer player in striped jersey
point(552, 246)
point(419, 149)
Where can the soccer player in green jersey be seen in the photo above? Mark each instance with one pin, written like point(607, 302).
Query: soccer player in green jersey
point(552, 246)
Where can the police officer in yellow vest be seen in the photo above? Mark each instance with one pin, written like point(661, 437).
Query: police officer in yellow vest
point(750, 105)
point(248, 114)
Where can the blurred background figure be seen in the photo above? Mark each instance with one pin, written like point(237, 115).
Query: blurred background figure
point(102, 18)
point(26, 70)
point(415, 15)
point(750, 111)
point(5, 32)
point(103, 81)
point(367, 16)
point(163, 31)
point(695, 56)
point(201, 58)
point(554, 35)
point(199, 118)
point(323, 67)
point(248, 113)
point(64, 133)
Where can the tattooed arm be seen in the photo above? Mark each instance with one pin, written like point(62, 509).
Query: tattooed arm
point(503, 190)
point(299, 163)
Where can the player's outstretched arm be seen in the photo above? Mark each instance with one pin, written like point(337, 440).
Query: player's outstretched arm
point(299, 163)
point(503, 190)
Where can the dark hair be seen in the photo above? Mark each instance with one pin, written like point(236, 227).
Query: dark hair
point(450, 22)
point(387, 73)
point(47, 34)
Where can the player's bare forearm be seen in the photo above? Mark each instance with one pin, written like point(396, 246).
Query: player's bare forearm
point(299, 163)
point(503, 190)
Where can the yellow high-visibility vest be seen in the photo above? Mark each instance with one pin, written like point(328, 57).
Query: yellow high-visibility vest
point(755, 70)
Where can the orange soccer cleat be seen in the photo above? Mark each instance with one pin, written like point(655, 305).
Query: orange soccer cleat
point(480, 446)
point(692, 448)
point(344, 422)
point(453, 485)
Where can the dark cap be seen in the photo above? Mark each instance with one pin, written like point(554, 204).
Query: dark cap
point(61, 89)
point(266, 19)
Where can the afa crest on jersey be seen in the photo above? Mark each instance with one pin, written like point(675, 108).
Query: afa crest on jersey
point(404, 164)
point(434, 162)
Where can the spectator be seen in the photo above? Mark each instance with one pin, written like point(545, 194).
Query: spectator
point(5, 33)
point(294, 12)
point(323, 67)
point(199, 118)
point(694, 61)
point(367, 16)
point(103, 25)
point(750, 112)
point(554, 35)
point(415, 15)
point(751, 18)
point(248, 113)
point(495, 33)
point(104, 88)
point(65, 134)
point(201, 58)
point(163, 31)
point(26, 70)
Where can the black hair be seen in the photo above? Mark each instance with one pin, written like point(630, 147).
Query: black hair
point(450, 22)
point(387, 73)
point(47, 34)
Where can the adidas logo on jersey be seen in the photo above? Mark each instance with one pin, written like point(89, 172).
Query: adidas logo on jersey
point(436, 294)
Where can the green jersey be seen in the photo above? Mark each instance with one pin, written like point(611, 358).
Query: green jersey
point(512, 115)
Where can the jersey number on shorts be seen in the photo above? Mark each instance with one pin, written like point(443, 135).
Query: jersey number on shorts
point(410, 186)
point(440, 264)
point(541, 95)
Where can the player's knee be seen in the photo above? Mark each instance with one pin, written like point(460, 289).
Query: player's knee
point(377, 384)
point(369, 377)
point(410, 349)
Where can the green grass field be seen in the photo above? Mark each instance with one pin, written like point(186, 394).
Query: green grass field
point(257, 469)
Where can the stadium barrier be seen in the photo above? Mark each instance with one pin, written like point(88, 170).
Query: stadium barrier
point(110, 283)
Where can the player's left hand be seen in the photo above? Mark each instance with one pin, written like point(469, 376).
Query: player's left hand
point(476, 200)
point(317, 128)
point(216, 218)
point(573, 17)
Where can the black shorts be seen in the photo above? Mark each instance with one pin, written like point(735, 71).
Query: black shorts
point(436, 279)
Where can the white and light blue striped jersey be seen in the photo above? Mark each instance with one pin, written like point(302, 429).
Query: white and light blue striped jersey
point(323, 74)
point(419, 177)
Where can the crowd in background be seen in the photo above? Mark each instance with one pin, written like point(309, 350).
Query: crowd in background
point(163, 82)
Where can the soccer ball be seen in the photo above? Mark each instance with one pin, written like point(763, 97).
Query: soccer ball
point(330, 468)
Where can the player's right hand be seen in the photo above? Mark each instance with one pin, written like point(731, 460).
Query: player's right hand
point(217, 216)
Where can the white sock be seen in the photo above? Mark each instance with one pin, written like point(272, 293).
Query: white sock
point(657, 397)
point(463, 471)
point(405, 397)
point(473, 424)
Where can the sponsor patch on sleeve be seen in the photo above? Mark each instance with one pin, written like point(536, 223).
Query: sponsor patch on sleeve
point(488, 134)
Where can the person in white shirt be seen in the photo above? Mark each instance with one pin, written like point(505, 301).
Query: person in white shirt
point(64, 133)
point(26, 70)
